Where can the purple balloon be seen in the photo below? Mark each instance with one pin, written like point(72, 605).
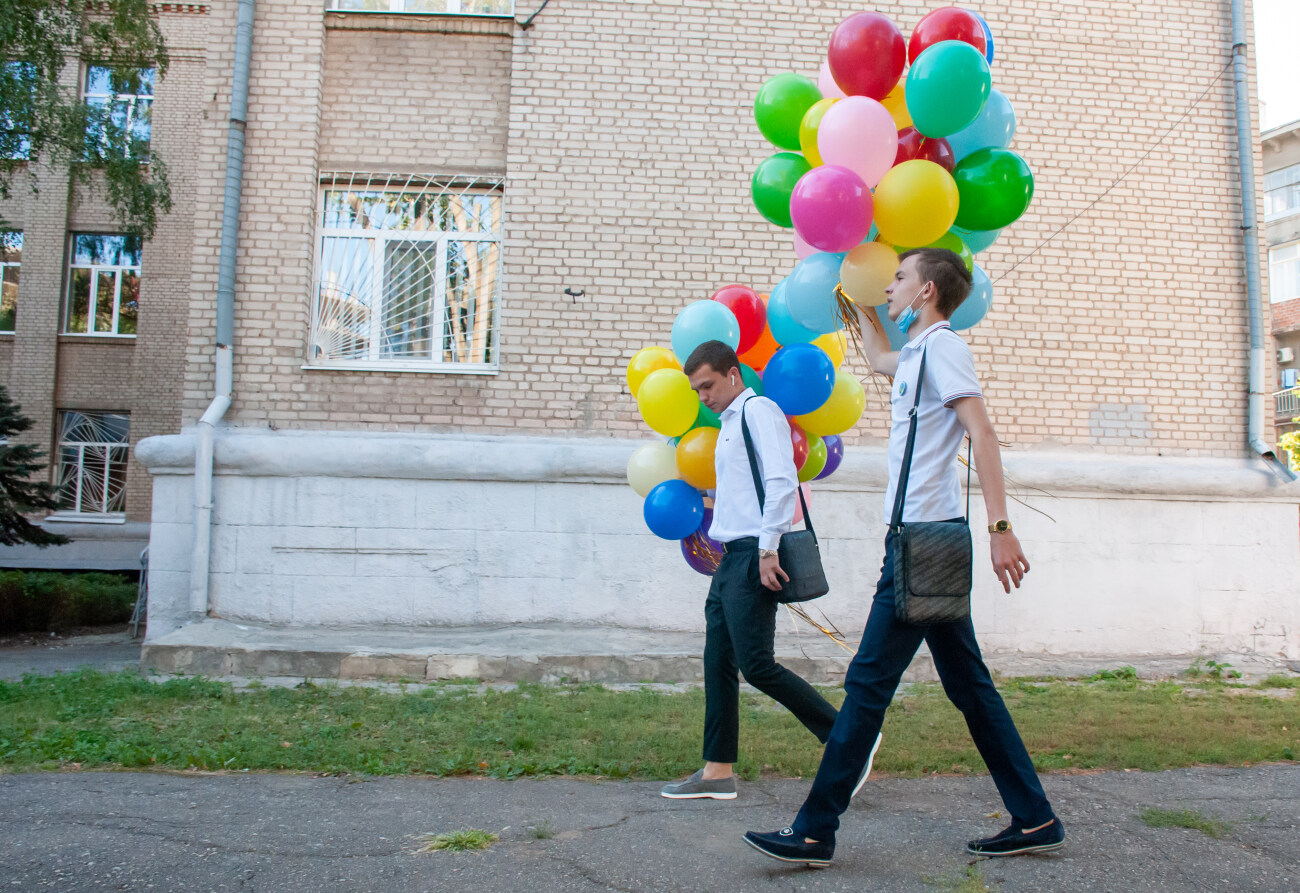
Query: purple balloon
point(834, 455)
point(831, 208)
point(702, 552)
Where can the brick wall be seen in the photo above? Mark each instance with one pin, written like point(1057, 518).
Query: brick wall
point(630, 146)
point(1286, 316)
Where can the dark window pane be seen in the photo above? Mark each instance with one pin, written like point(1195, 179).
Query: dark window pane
point(129, 304)
point(79, 301)
point(8, 299)
point(105, 298)
point(11, 247)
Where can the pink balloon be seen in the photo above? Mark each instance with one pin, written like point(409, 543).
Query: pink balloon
point(826, 83)
point(859, 133)
point(798, 506)
point(802, 248)
point(831, 208)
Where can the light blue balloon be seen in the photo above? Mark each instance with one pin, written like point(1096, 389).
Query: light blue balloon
point(988, 37)
point(977, 240)
point(784, 329)
point(810, 292)
point(993, 129)
point(896, 337)
point(704, 321)
point(977, 303)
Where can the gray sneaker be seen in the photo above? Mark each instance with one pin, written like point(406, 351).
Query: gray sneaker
point(696, 788)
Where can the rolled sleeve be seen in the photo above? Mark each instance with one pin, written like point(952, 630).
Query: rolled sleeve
point(771, 433)
point(951, 367)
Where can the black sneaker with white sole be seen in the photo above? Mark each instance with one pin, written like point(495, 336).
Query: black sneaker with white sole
point(786, 846)
point(1016, 841)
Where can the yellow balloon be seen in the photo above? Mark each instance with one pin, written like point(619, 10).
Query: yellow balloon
point(650, 466)
point(866, 272)
point(915, 203)
point(834, 345)
point(695, 458)
point(896, 104)
point(841, 412)
point(812, 119)
point(667, 402)
point(647, 360)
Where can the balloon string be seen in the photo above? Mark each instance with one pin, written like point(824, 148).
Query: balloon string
point(1160, 139)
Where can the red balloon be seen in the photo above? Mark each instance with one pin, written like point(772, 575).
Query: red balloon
point(867, 55)
point(913, 145)
point(949, 23)
point(799, 440)
point(749, 309)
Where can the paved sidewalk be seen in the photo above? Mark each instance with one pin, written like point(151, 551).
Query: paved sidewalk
point(140, 831)
point(109, 652)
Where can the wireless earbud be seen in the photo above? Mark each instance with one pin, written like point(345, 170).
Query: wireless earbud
point(733, 380)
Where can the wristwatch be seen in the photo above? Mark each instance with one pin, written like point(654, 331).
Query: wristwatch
point(1000, 527)
point(767, 553)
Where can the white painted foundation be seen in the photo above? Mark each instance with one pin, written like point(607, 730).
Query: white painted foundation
point(1145, 557)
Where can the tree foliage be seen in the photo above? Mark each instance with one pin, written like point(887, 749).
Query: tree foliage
point(43, 116)
point(22, 491)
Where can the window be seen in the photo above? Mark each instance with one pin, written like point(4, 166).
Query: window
point(502, 8)
point(92, 462)
point(1284, 272)
point(17, 79)
point(408, 275)
point(103, 285)
point(124, 101)
point(11, 260)
point(1282, 192)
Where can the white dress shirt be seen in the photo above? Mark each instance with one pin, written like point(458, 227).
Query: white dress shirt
point(933, 484)
point(736, 511)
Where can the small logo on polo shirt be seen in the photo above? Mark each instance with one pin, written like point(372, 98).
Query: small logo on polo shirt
point(902, 388)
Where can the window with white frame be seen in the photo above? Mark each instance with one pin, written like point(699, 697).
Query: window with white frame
point(124, 101)
point(1282, 192)
point(408, 274)
point(501, 8)
point(1284, 273)
point(103, 285)
point(92, 462)
point(17, 81)
point(11, 261)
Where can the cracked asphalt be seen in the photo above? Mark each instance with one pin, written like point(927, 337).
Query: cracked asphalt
point(78, 831)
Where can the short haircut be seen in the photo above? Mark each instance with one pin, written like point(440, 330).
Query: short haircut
point(947, 271)
point(714, 354)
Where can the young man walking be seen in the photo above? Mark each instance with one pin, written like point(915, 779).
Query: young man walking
point(928, 287)
point(740, 612)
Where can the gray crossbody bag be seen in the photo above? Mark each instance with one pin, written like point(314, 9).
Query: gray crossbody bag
point(932, 559)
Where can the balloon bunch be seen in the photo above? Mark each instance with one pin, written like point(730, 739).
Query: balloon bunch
point(879, 161)
point(801, 374)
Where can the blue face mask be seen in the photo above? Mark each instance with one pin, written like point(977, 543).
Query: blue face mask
point(909, 316)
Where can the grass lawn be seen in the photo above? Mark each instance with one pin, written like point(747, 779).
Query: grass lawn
point(1112, 721)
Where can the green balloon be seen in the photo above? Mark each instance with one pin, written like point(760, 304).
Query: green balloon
point(947, 87)
point(952, 242)
point(773, 182)
point(995, 186)
point(780, 105)
point(816, 460)
point(751, 379)
point(706, 418)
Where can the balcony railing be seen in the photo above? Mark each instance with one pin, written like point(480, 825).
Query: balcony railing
point(1288, 403)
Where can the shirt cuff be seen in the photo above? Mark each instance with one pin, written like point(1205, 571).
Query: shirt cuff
point(769, 541)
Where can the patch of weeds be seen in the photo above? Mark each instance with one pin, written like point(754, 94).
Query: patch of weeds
point(969, 880)
point(462, 841)
point(541, 830)
point(1279, 682)
point(1212, 671)
point(1191, 819)
point(1119, 674)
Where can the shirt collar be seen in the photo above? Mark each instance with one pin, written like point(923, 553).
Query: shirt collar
point(920, 339)
point(736, 404)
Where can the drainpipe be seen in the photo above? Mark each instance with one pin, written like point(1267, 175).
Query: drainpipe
point(1250, 232)
point(203, 453)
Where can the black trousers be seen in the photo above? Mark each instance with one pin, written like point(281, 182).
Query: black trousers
point(740, 630)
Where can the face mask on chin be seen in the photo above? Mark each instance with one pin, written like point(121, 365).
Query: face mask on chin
point(909, 316)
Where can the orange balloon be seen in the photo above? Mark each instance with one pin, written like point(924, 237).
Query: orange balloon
point(695, 458)
point(896, 103)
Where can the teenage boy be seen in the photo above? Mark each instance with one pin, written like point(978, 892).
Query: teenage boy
point(740, 612)
point(929, 285)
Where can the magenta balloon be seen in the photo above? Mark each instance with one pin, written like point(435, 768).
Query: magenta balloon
point(831, 208)
point(826, 83)
point(801, 248)
point(859, 133)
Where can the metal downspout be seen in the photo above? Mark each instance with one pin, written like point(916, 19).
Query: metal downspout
point(1250, 233)
point(203, 454)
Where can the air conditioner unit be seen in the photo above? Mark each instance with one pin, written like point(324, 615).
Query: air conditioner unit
point(1286, 355)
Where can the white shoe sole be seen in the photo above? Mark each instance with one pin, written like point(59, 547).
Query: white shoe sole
point(811, 863)
point(702, 796)
point(871, 758)
point(1042, 848)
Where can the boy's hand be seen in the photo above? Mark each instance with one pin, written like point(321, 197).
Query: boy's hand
point(1009, 562)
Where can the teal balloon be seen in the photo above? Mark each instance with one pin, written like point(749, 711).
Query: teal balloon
point(784, 327)
point(977, 240)
point(978, 303)
point(995, 186)
point(993, 129)
point(751, 379)
point(704, 321)
point(780, 105)
point(773, 183)
point(947, 87)
point(810, 292)
point(706, 418)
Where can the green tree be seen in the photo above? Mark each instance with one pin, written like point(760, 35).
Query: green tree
point(43, 118)
point(22, 491)
point(1290, 442)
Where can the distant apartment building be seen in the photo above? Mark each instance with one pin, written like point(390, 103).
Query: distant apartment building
point(1282, 232)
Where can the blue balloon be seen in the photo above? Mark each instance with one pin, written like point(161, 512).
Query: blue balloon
point(810, 292)
point(673, 510)
point(988, 38)
point(784, 329)
point(700, 322)
point(977, 303)
point(993, 129)
point(799, 378)
point(977, 240)
point(896, 337)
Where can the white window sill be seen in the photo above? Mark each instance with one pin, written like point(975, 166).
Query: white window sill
point(87, 518)
point(1269, 218)
point(109, 335)
point(427, 368)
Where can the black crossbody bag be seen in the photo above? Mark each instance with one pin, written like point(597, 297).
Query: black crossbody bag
point(932, 559)
point(797, 553)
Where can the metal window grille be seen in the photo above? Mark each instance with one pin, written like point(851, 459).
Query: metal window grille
point(92, 462)
point(128, 102)
point(103, 285)
point(500, 8)
point(11, 261)
point(408, 273)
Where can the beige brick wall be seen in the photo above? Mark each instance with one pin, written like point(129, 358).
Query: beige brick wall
point(630, 146)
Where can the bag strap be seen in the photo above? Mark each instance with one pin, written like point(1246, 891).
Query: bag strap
point(758, 479)
point(900, 494)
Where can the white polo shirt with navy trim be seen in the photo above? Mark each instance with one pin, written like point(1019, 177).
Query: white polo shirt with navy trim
point(933, 485)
